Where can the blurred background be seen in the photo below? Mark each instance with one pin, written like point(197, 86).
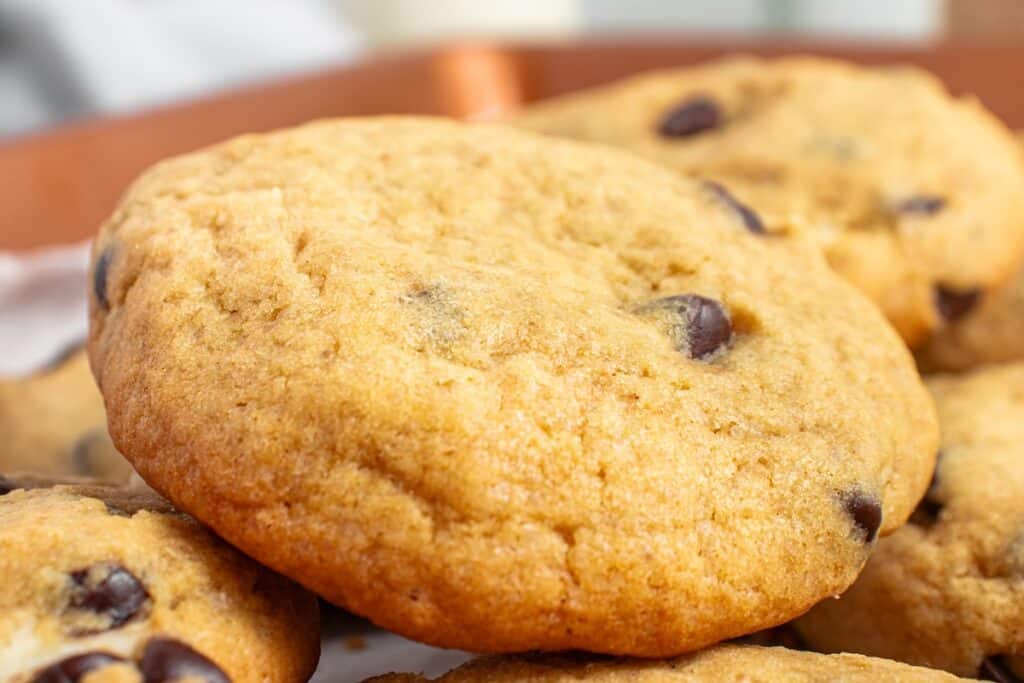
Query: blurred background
point(62, 59)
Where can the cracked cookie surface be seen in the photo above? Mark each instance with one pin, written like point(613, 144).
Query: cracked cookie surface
point(747, 663)
point(945, 591)
point(498, 391)
point(106, 585)
point(916, 198)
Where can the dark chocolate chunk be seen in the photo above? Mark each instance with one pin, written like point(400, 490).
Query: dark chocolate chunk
point(953, 304)
point(6, 485)
point(700, 326)
point(866, 512)
point(108, 590)
point(74, 668)
point(690, 117)
point(996, 668)
point(165, 660)
point(750, 219)
point(99, 277)
point(923, 205)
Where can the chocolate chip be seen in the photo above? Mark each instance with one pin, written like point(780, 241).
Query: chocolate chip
point(953, 304)
point(866, 513)
point(923, 205)
point(6, 485)
point(99, 277)
point(165, 660)
point(73, 669)
point(110, 591)
point(699, 326)
point(750, 219)
point(930, 506)
point(690, 117)
point(997, 668)
point(91, 453)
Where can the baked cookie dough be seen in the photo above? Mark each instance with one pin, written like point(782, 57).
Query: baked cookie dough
point(106, 585)
point(497, 391)
point(916, 197)
point(53, 423)
point(991, 333)
point(746, 663)
point(946, 591)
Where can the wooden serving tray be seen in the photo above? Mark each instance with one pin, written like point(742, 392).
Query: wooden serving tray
point(57, 186)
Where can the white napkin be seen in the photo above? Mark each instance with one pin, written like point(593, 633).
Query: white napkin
point(42, 305)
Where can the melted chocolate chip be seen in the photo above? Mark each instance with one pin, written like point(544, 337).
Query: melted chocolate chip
point(866, 513)
point(110, 591)
point(953, 304)
point(690, 117)
point(700, 326)
point(996, 668)
point(165, 660)
point(73, 669)
point(99, 277)
point(751, 220)
point(923, 205)
point(6, 485)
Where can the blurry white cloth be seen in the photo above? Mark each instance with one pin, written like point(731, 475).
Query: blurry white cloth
point(42, 306)
point(66, 57)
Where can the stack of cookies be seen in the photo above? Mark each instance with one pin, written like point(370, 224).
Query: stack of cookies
point(593, 410)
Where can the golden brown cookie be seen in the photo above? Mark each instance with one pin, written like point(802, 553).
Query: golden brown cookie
point(740, 663)
point(991, 333)
point(53, 423)
point(501, 392)
point(917, 198)
point(102, 585)
point(946, 590)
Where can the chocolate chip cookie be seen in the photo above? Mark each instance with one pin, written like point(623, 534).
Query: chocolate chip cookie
point(993, 332)
point(916, 197)
point(498, 391)
point(102, 585)
point(946, 591)
point(53, 423)
point(747, 663)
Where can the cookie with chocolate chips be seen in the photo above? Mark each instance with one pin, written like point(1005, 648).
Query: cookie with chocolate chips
point(747, 663)
point(916, 197)
point(53, 423)
point(104, 585)
point(991, 331)
point(946, 590)
point(498, 391)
